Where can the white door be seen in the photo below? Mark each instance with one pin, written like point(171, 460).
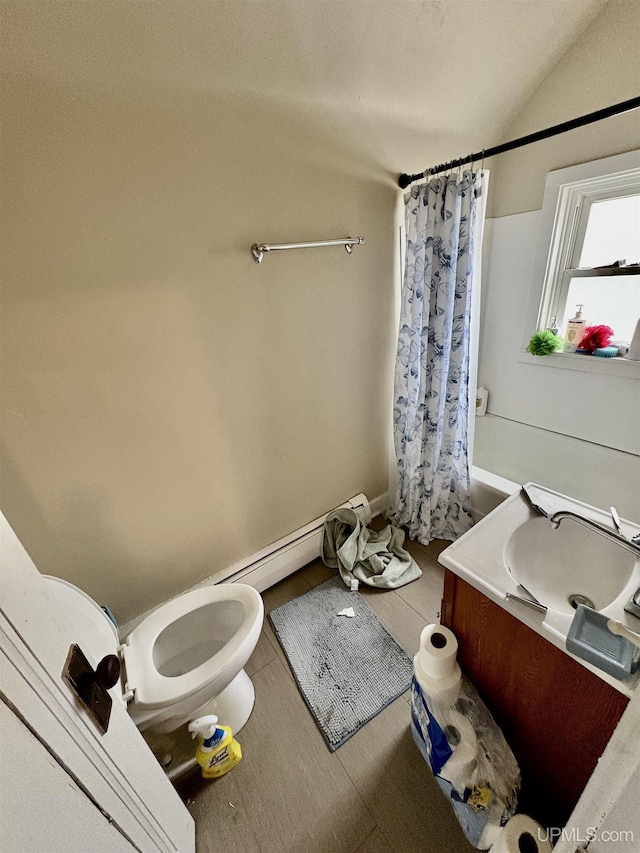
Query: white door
point(123, 787)
point(56, 816)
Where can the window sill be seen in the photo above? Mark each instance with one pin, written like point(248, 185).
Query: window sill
point(585, 363)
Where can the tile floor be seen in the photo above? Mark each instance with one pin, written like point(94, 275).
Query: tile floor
point(290, 794)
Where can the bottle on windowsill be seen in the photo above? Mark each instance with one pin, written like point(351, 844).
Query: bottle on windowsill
point(575, 331)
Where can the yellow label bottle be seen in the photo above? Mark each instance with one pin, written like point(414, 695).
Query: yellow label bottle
point(575, 331)
point(218, 751)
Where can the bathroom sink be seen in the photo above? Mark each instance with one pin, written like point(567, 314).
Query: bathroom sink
point(558, 565)
point(514, 551)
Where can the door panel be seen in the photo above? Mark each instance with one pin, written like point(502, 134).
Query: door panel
point(117, 769)
point(42, 807)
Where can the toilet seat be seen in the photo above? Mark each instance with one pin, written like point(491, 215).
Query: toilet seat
point(154, 690)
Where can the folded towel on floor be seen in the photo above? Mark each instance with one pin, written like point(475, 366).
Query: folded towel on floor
point(377, 559)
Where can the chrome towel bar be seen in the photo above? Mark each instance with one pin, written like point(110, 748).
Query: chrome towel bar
point(258, 249)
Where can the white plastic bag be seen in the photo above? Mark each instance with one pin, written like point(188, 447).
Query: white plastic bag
point(468, 755)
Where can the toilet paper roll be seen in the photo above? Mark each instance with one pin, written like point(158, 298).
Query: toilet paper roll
point(492, 830)
point(439, 692)
point(522, 833)
point(461, 727)
point(461, 737)
point(438, 650)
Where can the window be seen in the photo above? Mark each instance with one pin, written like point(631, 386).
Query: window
point(594, 248)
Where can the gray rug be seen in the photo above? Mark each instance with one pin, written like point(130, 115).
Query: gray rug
point(347, 669)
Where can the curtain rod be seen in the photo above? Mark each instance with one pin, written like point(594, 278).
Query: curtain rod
point(616, 109)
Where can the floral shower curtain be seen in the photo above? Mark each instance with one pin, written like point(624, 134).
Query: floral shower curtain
point(431, 399)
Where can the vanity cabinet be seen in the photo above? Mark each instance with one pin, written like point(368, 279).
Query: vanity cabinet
point(556, 715)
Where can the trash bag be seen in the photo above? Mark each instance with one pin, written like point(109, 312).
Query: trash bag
point(467, 753)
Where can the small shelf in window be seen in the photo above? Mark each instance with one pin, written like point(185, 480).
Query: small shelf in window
point(585, 363)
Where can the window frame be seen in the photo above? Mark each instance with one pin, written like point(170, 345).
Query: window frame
point(570, 225)
point(569, 194)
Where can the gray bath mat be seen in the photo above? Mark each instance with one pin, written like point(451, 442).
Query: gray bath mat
point(347, 669)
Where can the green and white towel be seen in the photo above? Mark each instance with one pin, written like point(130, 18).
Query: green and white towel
point(376, 559)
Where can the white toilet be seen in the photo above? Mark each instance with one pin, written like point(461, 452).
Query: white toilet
point(184, 659)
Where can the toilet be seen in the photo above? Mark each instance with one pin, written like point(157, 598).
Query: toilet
point(183, 660)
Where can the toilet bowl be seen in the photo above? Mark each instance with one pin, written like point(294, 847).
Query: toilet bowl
point(185, 659)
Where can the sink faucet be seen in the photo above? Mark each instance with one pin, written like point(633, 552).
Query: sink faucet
point(633, 605)
point(630, 545)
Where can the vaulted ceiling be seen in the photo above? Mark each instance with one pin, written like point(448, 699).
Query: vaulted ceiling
point(407, 83)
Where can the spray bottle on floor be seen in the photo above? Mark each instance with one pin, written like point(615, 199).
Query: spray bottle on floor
point(218, 751)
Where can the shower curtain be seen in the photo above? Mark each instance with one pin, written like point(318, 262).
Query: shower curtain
point(431, 393)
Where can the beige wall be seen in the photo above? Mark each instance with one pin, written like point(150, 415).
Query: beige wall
point(601, 68)
point(170, 407)
point(574, 431)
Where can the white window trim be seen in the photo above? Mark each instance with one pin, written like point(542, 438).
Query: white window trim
point(552, 248)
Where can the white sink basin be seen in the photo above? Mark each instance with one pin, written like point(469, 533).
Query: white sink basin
point(515, 545)
point(557, 564)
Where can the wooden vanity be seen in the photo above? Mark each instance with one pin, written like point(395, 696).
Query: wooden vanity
point(556, 715)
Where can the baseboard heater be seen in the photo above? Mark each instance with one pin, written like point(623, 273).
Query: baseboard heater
point(280, 559)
